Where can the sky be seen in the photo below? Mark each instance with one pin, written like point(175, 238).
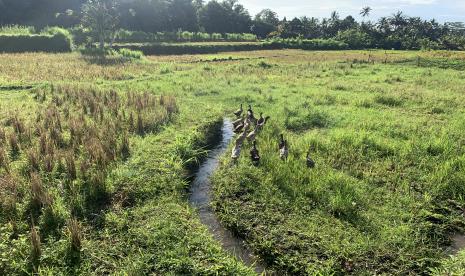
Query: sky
point(441, 10)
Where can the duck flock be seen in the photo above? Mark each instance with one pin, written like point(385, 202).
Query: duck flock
point(243, 127)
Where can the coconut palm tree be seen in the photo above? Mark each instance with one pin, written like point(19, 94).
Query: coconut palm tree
point(384, 25)
point(365, 12)
point(398, 20)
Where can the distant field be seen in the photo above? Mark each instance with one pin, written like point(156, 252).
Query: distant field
point(384, 127)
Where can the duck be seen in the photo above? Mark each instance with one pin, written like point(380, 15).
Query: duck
point(283, 148)
point(238, 112)
point(247, 124)
point(238, 122)
point(251, 136)
point(254, 154)
point(262, 121)
point(249, 111)
point(236, 152)
point(310, 162)
point(240, 139)
point(281, 141)
point(251, 116)
point(239, 128)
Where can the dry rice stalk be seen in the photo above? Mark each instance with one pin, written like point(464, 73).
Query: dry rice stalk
point(36, 245)
point(75, 236)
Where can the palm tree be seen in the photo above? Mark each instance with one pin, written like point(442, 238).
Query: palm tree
point(334, 16)
point(398, 20)
point(365, 12)
point(384, 25)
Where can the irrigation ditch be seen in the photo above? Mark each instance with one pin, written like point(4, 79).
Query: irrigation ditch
point(200, 198)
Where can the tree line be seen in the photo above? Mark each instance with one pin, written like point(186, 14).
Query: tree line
point(397, 31)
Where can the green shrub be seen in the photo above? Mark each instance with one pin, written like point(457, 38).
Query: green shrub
point(132, 54)
point(80, 36)
point(96, 52)
point(56, 30)
point(354, 38)
point(241, 37)
point(217, 36)
point(59, 32)
point(137, 36)
point(203, 36)
point(307, 44)
point(428, 44)
point(452, 42)
point(35, 43)
point(16, 30)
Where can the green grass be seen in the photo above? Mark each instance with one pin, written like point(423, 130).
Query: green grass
point(386, 193)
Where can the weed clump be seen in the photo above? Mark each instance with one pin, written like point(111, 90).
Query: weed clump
point(14, 145)
point(308, 119)
point(388, 101)
point(264, 65)
point(4, 162)
point(8, 196)
point(36, 245)
point(75, 235)
point(131, 54)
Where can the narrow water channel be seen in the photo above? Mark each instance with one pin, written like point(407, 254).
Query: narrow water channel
point(200, 198)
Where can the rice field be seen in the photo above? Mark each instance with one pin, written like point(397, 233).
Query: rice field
point(96, 161)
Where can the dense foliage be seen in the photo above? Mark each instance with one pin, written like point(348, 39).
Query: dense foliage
point(126, 36)
point(208, 48)
point(187, 48)
point(35, 43)
point(151, 16)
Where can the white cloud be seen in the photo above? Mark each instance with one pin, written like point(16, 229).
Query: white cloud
point(318, 8)
point(412, 2)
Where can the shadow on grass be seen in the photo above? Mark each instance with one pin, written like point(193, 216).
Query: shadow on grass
point(104, 60)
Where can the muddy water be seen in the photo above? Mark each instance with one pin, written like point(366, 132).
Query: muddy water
point(200, 199)
point(458, 244)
